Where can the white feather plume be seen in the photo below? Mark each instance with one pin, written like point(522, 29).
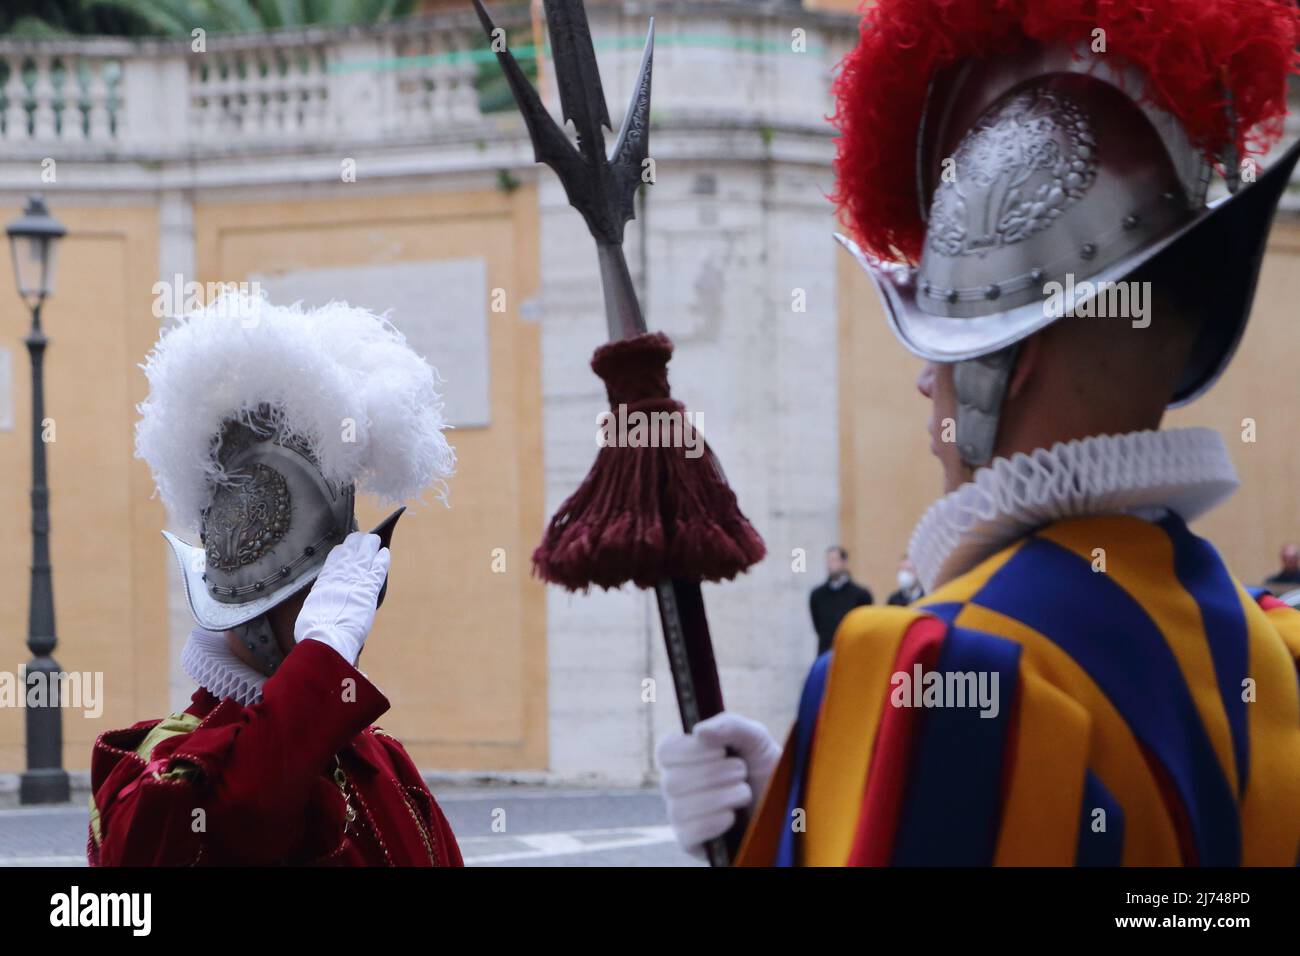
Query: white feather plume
point(345, 380)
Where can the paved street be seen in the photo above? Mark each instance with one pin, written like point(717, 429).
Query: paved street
point(534, 827)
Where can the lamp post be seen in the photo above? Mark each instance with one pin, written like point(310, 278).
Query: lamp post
point(33, 240)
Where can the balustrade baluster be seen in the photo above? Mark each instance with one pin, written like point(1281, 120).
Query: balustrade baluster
point(43, 117)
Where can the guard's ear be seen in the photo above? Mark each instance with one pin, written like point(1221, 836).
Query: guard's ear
point(385, 531)
point(1028, 357)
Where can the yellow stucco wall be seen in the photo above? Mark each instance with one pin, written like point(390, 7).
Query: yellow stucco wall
point(459, 650)
point(1263, 384)
point(835, 6)
point(888, 477)
point(109, 602)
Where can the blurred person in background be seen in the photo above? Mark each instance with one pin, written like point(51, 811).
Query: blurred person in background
point(835, 597)
point(1289, 576)
point(909, 586)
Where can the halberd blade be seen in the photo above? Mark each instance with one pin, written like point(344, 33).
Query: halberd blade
point(550, 143)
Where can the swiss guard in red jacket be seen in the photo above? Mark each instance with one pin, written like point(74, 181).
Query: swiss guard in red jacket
point(260, 424)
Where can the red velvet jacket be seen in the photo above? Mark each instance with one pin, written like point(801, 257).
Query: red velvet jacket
point(299, 778)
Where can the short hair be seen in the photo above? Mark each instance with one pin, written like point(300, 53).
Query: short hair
point(844, 555)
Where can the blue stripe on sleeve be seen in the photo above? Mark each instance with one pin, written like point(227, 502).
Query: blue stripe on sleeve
point(1202, 574)
point(954, 799)
point(1105, 848)
point(810, 704)
point(1109, 635)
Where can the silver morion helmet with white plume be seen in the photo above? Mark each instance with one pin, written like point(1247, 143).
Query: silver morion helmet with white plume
point(262, 423)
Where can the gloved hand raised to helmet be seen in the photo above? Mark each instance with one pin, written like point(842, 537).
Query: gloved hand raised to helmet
point(340, 610)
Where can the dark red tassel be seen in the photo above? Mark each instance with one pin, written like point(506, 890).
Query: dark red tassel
point(645, 513)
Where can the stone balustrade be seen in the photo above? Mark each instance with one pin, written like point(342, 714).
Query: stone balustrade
point(115, 98)
point(764, 65)
point(752, 64)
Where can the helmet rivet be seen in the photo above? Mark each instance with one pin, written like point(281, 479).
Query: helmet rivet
point(259, 586)
point(952, 295)
point(1036, 276)
point(1088, 251)
point(309, 550)
point(284, 572)
point(1130, 221)
point(992, 292)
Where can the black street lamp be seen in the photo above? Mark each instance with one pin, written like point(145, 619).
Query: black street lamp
point(33, 239)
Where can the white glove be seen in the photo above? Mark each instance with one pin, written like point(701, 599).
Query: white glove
point(340, 610)
point(703, 787)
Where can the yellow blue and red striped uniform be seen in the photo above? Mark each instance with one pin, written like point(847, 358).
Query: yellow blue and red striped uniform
point(1148, 714)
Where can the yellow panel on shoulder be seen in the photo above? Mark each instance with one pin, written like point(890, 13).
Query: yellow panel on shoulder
point(866, 646)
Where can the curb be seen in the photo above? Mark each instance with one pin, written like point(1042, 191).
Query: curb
point(78, 779)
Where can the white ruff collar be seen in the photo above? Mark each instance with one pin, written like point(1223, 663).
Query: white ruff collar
point(1186, 471)
point(208, 659)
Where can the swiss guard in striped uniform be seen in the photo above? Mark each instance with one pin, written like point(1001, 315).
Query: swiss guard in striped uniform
point(1085, 682)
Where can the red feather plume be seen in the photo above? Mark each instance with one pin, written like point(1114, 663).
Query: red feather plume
point(1189, 50)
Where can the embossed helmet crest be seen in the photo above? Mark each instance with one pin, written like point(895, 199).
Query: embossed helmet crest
point(1060, 175)
point(1028, 160)
point(272, 516)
